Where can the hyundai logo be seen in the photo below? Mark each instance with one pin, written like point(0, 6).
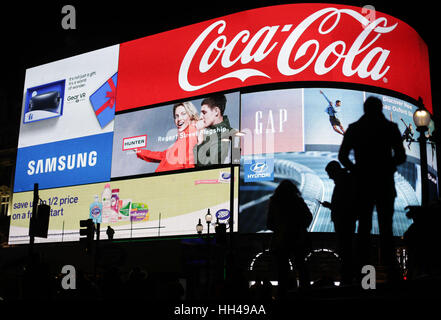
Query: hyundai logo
point(259, 167)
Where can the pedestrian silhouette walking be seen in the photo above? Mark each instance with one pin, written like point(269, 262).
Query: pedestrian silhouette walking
point(378, 150)
point(110, 232)
point(289, 218)
point(343, 215)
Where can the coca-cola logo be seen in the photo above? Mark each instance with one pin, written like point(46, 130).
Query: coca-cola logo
point(241, 55)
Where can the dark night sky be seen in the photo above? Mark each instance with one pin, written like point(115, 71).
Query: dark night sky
point(32, 33)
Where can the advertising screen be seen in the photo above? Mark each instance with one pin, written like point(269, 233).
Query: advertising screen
point(66, 131)
point(174, 137)
point(144, 207)
point(140, 137)
point(305, 165)
point(285, 43)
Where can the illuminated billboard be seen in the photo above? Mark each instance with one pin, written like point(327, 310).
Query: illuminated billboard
point(144, 207)
point(74, 146)
point(278, 44)
point(323, 135)
point(149, 133)
point(167, 137)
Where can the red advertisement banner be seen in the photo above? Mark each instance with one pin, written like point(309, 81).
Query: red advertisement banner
point(287, 43)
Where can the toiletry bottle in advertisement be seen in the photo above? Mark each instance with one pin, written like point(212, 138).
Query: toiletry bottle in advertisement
point(106, 198)
point(96, 210)
point(114, 202)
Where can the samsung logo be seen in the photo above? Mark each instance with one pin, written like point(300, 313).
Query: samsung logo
point(63, 162)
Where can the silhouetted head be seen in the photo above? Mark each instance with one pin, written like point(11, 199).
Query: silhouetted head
point(333, 168)
point(286, 189)
point(373, 106)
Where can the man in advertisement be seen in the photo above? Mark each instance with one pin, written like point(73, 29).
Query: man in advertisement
point(377, 154)
point(408, 134)
point(331, 111)
point(211, 148)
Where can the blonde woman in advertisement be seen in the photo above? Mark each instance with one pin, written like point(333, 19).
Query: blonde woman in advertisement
point(180, 154)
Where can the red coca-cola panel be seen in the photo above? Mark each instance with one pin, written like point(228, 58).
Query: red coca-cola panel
point(287, 43)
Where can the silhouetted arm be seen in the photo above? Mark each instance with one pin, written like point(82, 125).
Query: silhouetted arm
point(345, 148)
point(307, 214)
point(270, 223)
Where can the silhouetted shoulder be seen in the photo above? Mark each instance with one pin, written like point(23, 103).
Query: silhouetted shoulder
point(394, 125)
point(352, 130)
point(357, 124)
point(394, 130)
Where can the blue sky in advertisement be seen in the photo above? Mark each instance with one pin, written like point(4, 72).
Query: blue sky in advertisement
point(318, 129)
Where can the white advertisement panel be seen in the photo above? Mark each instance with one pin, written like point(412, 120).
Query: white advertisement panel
point(76, 82)
point(163, 205)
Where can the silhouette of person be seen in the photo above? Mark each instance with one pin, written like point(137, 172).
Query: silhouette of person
point(110, 232)
point(422, 240)
point(343, 215)
point(289, 218)
point(378, 150)
point(416, 239)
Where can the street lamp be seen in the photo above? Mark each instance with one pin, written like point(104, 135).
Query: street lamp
point(234, 140)
point(421, 118)
point(199, 227)
point(208, 218)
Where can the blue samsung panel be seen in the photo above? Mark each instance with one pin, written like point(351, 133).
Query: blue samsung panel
point(64, 163)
